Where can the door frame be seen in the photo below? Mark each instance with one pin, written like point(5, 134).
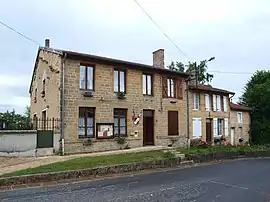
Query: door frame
point(144, 135)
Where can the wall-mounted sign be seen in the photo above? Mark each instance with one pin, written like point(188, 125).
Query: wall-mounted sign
point(136, 117)
point(105, 130)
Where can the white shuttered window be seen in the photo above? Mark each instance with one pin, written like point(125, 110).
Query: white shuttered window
point(226, 126)
point(214, 103)
point(207, 103)
point(215, 127)
point(218, 103)
point(225, 103)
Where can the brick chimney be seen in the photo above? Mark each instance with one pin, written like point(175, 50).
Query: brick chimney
point(47, 43)
point(158, 58)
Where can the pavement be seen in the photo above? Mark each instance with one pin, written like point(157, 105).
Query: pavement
point(12, 164)
point(245, 180)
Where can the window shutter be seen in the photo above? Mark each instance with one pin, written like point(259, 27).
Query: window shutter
point(194, 101)
point(226, 126)
point(225, 103)
point(164, 87)
point(214, 103)
point(218, 103)
point(179, 89)
point(173, 123)
point(215, 122)
point(207, 103)
point(196, 122)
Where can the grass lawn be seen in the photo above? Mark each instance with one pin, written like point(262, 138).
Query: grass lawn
point(90, 162)
point(223, 148)
point(95, 161)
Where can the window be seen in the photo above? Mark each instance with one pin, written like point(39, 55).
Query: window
point(207, 102)
point(197, 127)
point(119, 81)
point(219, 127)
point(173, 123)
point(120, 122)
point(43, 87)
point(86, 122)
point(239, 117)
point(224, 103)
point(196, 101)
point(170, 88)
point(35, 96)
point(35, 122)
point(216, 103)
point(147, 84)
point(86, 77)
point(226, 126)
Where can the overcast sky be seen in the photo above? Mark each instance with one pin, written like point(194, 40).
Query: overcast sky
point(236, 32)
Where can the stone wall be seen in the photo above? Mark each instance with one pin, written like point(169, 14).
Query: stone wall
point(48, 69)
point(203, 114)
point(245, 125)
point(104, 101)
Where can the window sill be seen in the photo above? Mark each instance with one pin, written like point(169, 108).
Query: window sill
point(195, 109)
point(86, 90)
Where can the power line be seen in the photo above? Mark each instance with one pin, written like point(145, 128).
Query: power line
point(21, 34)
point(222, 72)
point(179, 49)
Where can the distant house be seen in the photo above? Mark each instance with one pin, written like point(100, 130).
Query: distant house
point(212, 116)
point(2, 124)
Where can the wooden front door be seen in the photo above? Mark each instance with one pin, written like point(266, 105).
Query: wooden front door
point(148, 127)
point(209, 130)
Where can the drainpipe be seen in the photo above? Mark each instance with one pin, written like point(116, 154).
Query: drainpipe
point(62, 104)
point(188, 129)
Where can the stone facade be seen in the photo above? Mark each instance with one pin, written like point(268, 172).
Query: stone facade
point(104, 101)
point(203, 114)
point(48, 70)
point(242, 129)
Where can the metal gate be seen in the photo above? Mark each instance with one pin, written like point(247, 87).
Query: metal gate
point(45, 138)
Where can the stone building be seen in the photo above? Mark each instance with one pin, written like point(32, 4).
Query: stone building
point(212, 115)
point(100, 99)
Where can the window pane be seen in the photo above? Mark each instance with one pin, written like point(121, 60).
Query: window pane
point(172, 88)
point(168, 86)
point(122, 121)
point(123, 131)
point(82, 77)
point(144, 84)
point(115, 81)
point(149, 84)
point(116, 129)
point(122, 81)
point(90, 78)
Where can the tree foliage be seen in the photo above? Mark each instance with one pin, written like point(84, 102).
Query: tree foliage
point(15, 121)
point(257, 96)
point(203, 76)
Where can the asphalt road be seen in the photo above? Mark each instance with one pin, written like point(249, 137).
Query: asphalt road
point(239, 181)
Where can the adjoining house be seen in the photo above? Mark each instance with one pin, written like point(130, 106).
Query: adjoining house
point(239, 124)
point(101, 98)
point(212, 116)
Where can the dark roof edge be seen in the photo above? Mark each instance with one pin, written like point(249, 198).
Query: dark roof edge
point(78, 56)
point(210, 89)
point(237, 107)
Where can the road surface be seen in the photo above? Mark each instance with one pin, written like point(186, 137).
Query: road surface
point(239, 181)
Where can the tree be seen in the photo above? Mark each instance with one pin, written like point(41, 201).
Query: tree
point(192, 67)
point(257, 96)
point(16, 121)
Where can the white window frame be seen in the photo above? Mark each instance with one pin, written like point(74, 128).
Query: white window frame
point(225, 103)
point(214, 103)
point(215, 127)
point(194, 136)
point(226, 127)
point(239, 119)
point(207, 102)
point(196, 101)
point(218, 103)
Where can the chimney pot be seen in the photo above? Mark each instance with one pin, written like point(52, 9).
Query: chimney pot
point(47, 43)
point(158, 58)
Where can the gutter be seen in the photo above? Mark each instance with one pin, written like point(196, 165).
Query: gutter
point(188, 117)
point(62, 104)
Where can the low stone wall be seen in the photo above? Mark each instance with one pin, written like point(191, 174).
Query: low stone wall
point(99, 171)
point(174, 141)
point(100, 145)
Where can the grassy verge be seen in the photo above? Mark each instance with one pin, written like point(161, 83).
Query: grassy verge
point(223, 148)
point(95, 161)
point(90, 162)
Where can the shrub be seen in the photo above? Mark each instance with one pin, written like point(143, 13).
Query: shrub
point(169, 155)
point(198, 143)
